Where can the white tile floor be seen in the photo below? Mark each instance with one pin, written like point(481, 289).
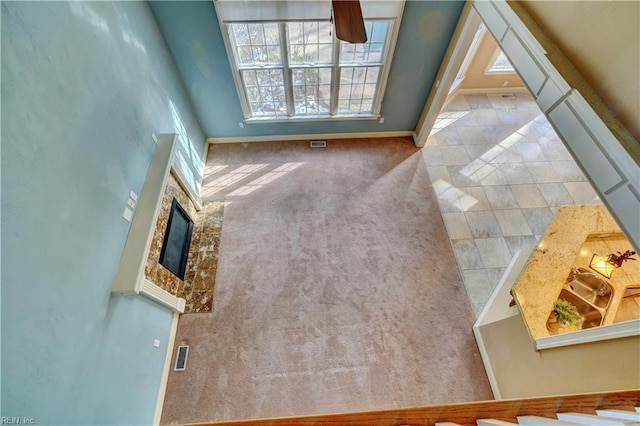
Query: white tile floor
point(500, 173)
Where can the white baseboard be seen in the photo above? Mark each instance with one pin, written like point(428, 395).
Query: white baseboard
point(506, 89)
point(497, 308)
point(165, 371)
point(311, 136)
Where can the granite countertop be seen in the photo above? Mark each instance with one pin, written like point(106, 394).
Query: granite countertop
point(568, 242)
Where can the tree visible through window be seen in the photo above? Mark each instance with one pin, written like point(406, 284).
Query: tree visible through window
point(298, 69)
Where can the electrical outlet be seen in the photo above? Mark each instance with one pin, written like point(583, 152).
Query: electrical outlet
point(381, 120)
point(133, 196)
point(241, 124)
point(131, 203)
point(156, 343)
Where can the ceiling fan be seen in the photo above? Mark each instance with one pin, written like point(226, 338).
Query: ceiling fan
point(348, 20)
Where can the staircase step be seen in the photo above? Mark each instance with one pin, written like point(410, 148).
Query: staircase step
point(620, 414)
point(493, 422)
point(592, 420)
point(542, 421)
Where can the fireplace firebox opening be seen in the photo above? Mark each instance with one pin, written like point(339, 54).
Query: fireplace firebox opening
point(177, 239)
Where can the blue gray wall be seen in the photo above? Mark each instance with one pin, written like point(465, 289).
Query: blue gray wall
point(193, 35)
point(83, 87)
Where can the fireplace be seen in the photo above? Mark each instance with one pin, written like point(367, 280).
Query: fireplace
point(177, 239)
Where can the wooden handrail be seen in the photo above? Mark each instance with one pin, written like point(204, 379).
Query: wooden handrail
point(462, 413)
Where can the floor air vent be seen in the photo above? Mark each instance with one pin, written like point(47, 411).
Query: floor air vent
point(318, 144)
point(181, 358)
point(507, 96)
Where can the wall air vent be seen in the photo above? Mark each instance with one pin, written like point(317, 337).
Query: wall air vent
point(181, 358)
point(318, 144)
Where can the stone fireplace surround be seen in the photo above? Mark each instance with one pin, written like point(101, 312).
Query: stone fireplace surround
point(139, 271)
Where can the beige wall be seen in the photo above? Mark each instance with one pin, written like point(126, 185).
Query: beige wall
point(521, 371)
point(602, 40)
point(475, 77)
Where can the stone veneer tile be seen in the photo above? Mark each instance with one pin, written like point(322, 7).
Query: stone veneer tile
point(202, 263)
point(199, 301)
point(155, 272)
point(203, 259)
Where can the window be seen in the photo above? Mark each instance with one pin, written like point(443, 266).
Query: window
point(499, 63)
point(300, 70)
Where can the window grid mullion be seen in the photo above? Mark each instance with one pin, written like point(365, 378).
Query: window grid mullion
point(335, 75)
point(364, 85)
point(286, 71)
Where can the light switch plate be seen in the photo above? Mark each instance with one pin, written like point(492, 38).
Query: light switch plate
point(128, 214)
point(133, 196)
point(156, 343)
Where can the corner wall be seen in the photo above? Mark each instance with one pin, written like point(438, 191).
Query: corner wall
point(521, 371)
point(602, 40)
point(193, 35)
point(477, 78)
point(84, 84)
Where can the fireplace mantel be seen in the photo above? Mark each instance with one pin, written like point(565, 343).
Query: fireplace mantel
point(130, 277)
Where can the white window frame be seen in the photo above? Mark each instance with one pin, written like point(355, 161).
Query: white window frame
point(333, 115)
point(492, 63)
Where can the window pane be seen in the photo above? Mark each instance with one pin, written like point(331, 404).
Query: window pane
point(240, 33)
point(372, 75)
point(245, 55)
point(260, 55)
point(253, 93)
point(256, 44)
point(356, 96)
point(273, 53)
point(296, 33)
point(372, 51)
point(324, 32)
point(298, 76)
point(309, 94)
point(309, 43)
point(271, 35)
point(265, 92)
point(256, 33)
point(501, 63)
point(379, 31)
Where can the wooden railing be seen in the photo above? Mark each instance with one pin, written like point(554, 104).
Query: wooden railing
point(462, 413)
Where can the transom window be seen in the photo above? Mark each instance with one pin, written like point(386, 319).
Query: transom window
point(301, 70)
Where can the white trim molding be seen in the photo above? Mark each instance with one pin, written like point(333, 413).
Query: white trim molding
point(162, 390)
point(496, 90)
point(310, 136)
point(497, 308)
point(130, 278)
point(162, 296)
point(595, 334)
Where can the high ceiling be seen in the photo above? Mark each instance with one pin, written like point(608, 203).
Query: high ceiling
point(193, 36)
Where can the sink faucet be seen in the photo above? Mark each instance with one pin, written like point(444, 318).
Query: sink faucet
point(574, 274)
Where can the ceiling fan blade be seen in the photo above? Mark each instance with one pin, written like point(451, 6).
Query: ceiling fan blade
point(347, 16)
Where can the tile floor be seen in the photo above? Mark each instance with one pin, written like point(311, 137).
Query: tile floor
point(500, 173)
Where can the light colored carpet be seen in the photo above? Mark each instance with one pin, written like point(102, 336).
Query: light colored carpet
point(337, 288)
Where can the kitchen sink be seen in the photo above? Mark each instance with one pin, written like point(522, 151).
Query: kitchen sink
point(590, 294)
point(590, 287)
point(589, 316)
